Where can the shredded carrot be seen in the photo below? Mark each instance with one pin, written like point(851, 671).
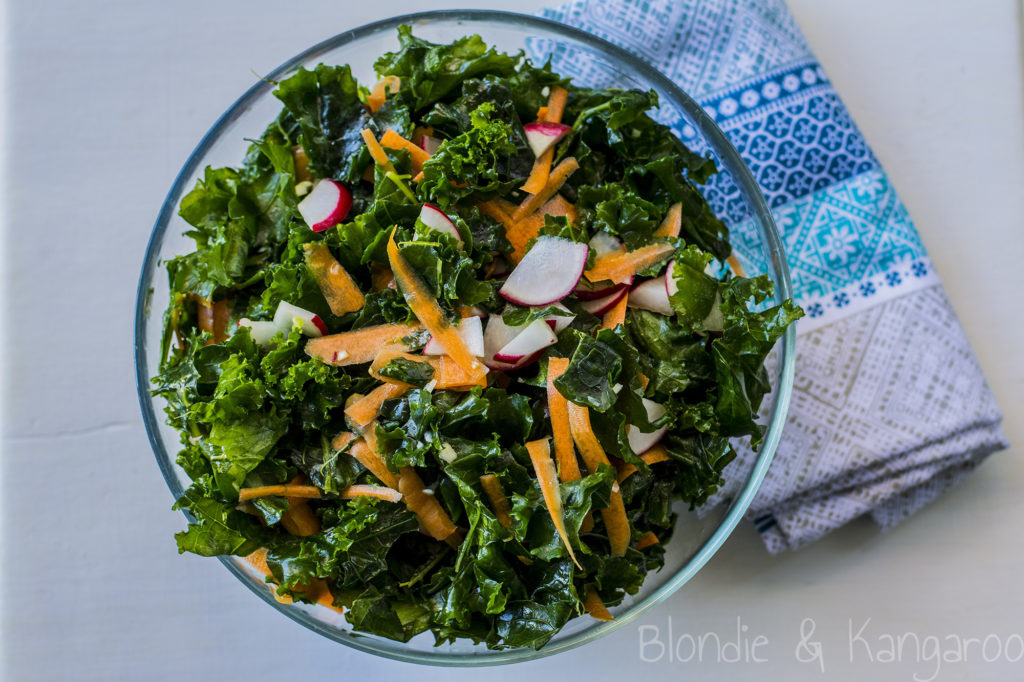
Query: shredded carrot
point(615, 521)
point(337, 286)
point(429, 313)
point(375, 100)
point(301, 161)
point(381, 277)
point(558, 176)
point(556, 104)
point(310, 491)
point(321, 594)
point(734, 263)
point(672, 223)
point(542, 113)
point(646, 540)
point(520, 234)
point(356, 347)
point(376, 151)
point(617, 315)
point(393, 140)
point(595, 607)
point(343, 439)
point(426, 507)
point(379, 492)
point(492, 487)
point(450, 375)
point(656, 454)
point(417, 177)
point(558, 408)
point(373, 462)
point(619, 266)
point(300, 520)
point(547, 478)
point(393, 351)
point(258, 560)
point(539, 173)
point(366, 409)
point(419, 132)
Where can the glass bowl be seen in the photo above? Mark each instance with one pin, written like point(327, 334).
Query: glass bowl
point(592, 62)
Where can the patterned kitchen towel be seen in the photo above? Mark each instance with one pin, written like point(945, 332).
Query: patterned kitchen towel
point(890, 407)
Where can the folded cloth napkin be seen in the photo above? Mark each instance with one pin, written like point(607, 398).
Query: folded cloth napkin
point(890, 407)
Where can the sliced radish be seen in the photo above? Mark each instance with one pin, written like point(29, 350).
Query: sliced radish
point(651, 295)
point(430, 144)
point(670, 281)
point(472, 333)
point(542, 136)
point(548, 272)
point(585, 291)
point(560, 322)
point(497, 335)
point(437, 220)
point(312, 325)
point(603, 243)
point(640, 442)
point(603, 305)
point(261, 331)
point(534, 337)
point(326, 205)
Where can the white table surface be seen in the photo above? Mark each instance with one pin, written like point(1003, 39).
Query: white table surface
point(104, 102)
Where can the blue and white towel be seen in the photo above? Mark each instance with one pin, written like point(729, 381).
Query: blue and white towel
point(890, 407)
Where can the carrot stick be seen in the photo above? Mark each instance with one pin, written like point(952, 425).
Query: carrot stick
point(366, 409)
point(310, 491)
point(429, 313)
point(375, 100)
point(547, 478)
point(542, 113)
point(615, 521)
point(426, 507)
point(652, 456)
point(539, 173)
point(300, 520)
point(558, 176)
point(556, 104)
point(619, 266)
point(672, 223)
point(342, 440)
point(376, 151)
point(418, 155)
point(646, 540)
point(337, 286)
point(213, 319)
point(492, 487)
point(558, 408)
point(258, 560)
point(734, 263)
point(520, 234)
point(617, 315)
point(381, 277)
point(379, 492)
point(373, 462)
point(393, 351)
point(595, 607)
point(450, 375)
point(358, 346)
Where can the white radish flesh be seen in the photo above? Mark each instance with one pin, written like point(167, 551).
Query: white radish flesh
point(542, 136)
point(534, 337)
point(640, 442)
point(438, 220)
point(472, 333)
point(261, 331)
point(560, 322)
point(548, 272)
point(651, 295)
point(603, 243)
point(326, 205)
point(312, 325)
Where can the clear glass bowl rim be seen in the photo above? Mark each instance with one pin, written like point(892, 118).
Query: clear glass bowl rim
point(729, 157)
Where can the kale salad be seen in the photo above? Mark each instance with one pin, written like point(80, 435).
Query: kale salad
point(451, 346)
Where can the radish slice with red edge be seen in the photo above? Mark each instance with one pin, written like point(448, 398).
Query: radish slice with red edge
point(534, 337)
point(548, 272)
point(585, 291)
point(312, 325)
point(651, 295)
point(714, 322)
point(497, 335)
point(261, 331)
point(603, 305)
point(560, 322)
point(542, 136)
point(326, 205)
point(430, 144)
point(438, 220)
point(640, 442)
point(472, 333)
